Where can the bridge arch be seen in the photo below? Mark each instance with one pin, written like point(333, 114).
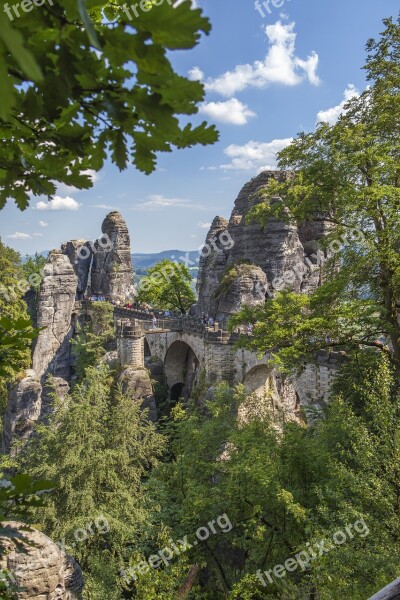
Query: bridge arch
point(182, 368)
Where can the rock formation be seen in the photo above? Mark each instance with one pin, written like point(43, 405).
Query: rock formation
point(136, 384)
point(41, 567)
point(254, 260)
point(23, 408)
point(105, 265)
point(80, 255)
point(112, 270)
point(55, 308)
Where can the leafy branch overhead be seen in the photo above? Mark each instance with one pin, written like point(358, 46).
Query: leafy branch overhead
point(81, 82)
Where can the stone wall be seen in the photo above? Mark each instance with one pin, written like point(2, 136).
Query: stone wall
point(225, 362)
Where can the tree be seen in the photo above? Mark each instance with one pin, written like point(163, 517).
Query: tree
point(285, 488)
point(13, 283)
point(97, 449)
point(16, 331)
point(94, 337)
point(348, 176)
point(167, 286)
point(33, 270)
point(85, 80)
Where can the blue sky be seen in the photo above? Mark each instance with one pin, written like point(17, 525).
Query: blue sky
point(267, 78)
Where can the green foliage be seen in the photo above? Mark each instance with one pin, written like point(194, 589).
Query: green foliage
point(82, 82)
point(98, 449)
point(19, 493)
point(167, 286)
point(241, 267)
point(346, 175)
point(16, 332)
point(284, 488)
point(94, 338)
point(15, 338)
point(12, 283)
point(33, 271)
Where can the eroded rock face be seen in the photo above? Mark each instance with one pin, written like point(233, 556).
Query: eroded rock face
point(67, 276)
point(52, 353)
point(136, 383)
point(23, 409)
point(279, 251)
point(112, 271)
point(243, 285)
point(80, 255)
point(42, 567)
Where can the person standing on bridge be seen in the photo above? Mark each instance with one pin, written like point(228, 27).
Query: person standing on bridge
point(154, 322)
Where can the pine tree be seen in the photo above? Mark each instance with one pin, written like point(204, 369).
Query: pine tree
point(98, 449)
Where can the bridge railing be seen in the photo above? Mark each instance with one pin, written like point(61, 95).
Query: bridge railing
point(390, 592)
point(184, 323)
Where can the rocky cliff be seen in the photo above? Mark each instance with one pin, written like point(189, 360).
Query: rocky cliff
point(105, 267)
point(112, 272)
point(55, 308)
point(39, 567)
point(243, 262)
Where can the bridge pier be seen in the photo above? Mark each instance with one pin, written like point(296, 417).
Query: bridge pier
point(131, 345)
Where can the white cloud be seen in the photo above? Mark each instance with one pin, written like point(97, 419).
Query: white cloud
point(203, 225)
point(196, 74)
point(281, 65)
point(331, 115)
point(38, 234)
point(232, 111)
point(43, 224)
point(58, 203)
point(104, 206)
point(94, 175)
point(20, 236)
point(159, 202)
point(255, 156)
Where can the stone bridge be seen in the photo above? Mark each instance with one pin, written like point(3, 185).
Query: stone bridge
point(192, 352)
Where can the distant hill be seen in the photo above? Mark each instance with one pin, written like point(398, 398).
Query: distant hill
point(145, 261)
